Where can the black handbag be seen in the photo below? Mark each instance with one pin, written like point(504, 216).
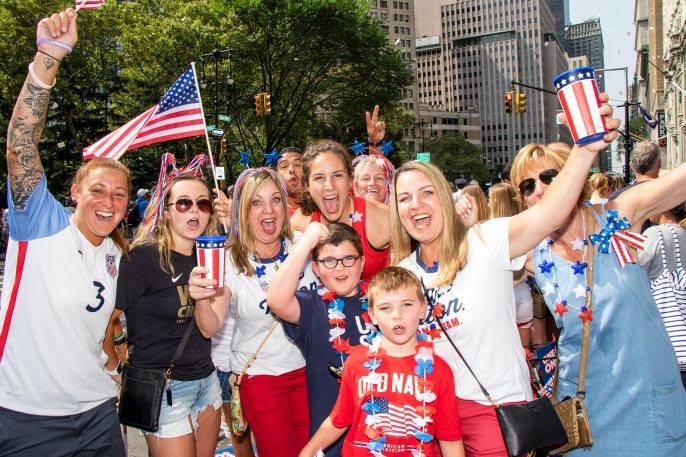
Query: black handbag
point(526, 427)
point(140, 399)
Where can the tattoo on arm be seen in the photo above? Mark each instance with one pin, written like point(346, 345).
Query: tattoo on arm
point(26, 125)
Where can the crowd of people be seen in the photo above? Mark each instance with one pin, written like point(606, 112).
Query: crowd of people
point(344, 281)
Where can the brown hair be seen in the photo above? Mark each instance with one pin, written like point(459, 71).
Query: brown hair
point(312, 151)
point(391, 279)
point(339, 233)
point(479, 198)
point(95, 164)
point(453, 244)
point(161, 237)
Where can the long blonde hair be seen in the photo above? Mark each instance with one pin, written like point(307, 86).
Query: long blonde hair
point(452, 256)
point(502, 200)
point(242, 241)
point(161, 236)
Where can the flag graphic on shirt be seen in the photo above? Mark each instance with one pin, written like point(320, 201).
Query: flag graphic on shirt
point(650, 120)
point(579, 98)
point(85, 5)
point(178, 115)
point(395, 420)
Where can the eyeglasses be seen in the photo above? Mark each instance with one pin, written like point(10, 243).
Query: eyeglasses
point(184, 204)
point(528, 186)
point(332, 262)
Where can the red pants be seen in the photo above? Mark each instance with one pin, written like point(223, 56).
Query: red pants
point(278, 413)
point(481, 433)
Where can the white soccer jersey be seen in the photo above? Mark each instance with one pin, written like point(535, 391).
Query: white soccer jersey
point(57, 298)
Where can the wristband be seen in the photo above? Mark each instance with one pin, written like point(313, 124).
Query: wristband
point(38, 82)
point(116, 371)
point(52, 42)
point(53, 58)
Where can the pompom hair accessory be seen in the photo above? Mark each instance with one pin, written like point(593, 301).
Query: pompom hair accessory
point(168, 171)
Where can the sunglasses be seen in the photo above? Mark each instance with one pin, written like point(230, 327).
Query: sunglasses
point(528, 186)
point(185, 204)
point(332, 262)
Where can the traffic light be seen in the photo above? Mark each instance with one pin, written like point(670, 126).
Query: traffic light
point(259, 104)
point(222, 147)
point(520, 102)
point(508, 102)
point(267, 104)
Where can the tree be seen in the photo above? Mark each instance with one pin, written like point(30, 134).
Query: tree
point(457, 157)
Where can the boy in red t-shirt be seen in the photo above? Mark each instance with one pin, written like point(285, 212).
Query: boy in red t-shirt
point(396, 395)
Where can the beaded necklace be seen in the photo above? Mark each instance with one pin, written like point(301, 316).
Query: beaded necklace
point(423, 368)
point(337, 321)
point(582, 289)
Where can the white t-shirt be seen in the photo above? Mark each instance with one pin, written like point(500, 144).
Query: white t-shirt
point(480, 317)
point(51, 331)
point(279, 355)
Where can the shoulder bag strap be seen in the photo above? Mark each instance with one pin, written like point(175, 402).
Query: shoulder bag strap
point(430, 302)
point(254, 355)
point(179, 350)
point(583, 358)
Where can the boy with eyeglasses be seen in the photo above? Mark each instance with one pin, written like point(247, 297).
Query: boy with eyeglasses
point(324, 323)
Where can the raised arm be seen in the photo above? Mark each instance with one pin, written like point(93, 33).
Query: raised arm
point(529, 227)
point(55, 35)
point(281, 294)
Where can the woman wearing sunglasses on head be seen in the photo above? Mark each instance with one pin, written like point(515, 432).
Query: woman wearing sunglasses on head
point(273, 389)
point(469, 271)
point(634, 396)
point(153, 293)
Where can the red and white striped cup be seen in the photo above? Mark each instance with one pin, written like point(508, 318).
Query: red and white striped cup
point(210, 252)
point(578, 94)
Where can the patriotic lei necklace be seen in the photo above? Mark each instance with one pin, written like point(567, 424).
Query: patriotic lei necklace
point(548, 266)
point(423, 368)
point(337, 321)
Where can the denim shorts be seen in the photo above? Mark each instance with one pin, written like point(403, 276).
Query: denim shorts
point(189, 398)
point(224, 384)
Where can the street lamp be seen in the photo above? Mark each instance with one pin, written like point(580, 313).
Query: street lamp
point(421, 125)
point(627, 137)
point(216, 56)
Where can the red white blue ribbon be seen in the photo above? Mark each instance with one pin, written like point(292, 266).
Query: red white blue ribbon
point(616, 234)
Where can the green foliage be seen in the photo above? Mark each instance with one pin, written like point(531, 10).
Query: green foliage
point(457, 157)
point(325, 62)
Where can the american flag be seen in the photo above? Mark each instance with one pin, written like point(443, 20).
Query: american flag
point(88, 4)
point(578, 94)
point(395, 420)
point(178, 115)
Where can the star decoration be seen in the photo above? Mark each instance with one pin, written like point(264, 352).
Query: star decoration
point(260, 270)
point(386, 147)
point(546, 266)
point(579, 267)
point(272, 158)
point(357, 147)
point(549, 288)
point(578, 244)
point(586, 314)
point(245, 158)
point(561, 308)
point(356, 216)
point(580, 291)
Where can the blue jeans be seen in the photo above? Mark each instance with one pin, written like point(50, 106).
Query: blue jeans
point(189, 399)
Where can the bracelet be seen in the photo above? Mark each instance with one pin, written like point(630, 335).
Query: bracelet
point(52, 42)
point(116, 371)
point(120, 341)
point(38, 82)
point(53, 58)
point(116, 337)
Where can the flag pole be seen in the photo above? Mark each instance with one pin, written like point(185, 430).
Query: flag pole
point(78, 7)
point(207, 137)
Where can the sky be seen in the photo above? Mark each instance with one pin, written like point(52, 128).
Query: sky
point(617, 22)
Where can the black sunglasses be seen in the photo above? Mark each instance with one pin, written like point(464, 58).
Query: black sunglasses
point(184, 204)
point(528, 186)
